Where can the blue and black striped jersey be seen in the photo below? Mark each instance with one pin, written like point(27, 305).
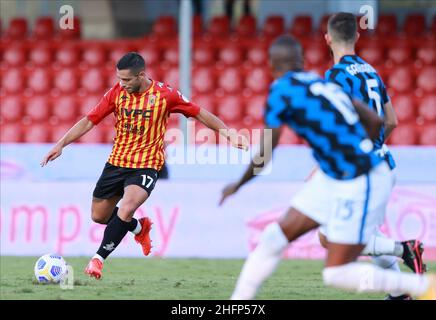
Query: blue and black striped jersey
point(360, 80)
point(323, 114)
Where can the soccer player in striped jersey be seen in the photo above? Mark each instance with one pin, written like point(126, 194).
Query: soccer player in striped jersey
point(361, 81)
point(141, 107)
point(353, 182)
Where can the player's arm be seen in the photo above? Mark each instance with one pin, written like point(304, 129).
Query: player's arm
point(273, 117)
point(390, 119)
point(213, 122)
point(268, 142)
point(98, 113)
point(369, 118)
point(78, 130)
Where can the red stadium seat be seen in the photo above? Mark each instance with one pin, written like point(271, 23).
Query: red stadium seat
point(229, 108)
point(204, 135)
point(94, 56)
point(116, 54)
point(316, 55)
point(230, 80)
point(39, 80)
point(64, 109)
point(386, 25)
point(17, 29)
point(36, 133)
point(93, 81)
point(66, 81)
point(372, 54)
point(171, 77)
point(95, 135)
point(433, 25)
point(414, 25)
point(246, 26)
point(428, 135)
point(322, 28)
point(273, 26)
point(427, 108)
point(197, 25)
point(164, 26)
point(40, 56)
point(12, 80)
point(109, 135)
point(11, 109)
point(87, 103)
point(205, 101)
point(230, 55)
point(14, 56)
point(301, 26)
point(288, 136)
point(426, 80)
point(11, 133)
point(74, 33)
point(44, 28)
point(320, 70)
point(257, 56)
point(404, 106)
point(254, 109)
point(58, 131)
point(171, 55)
point(37, 109)
point(401, 80)
point(426, 55)
point(203, 55)
point(151, 54)
point(404, 134)
point(203, 80)
point(219, 26)
point(258, 80)
point(400, 55)
point(68, 56)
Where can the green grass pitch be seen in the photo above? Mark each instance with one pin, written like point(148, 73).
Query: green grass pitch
point(173, 279)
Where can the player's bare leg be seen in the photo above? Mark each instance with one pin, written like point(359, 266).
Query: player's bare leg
point(102, 209)
point(262, 262)
point(134, 197)
point(342, 272)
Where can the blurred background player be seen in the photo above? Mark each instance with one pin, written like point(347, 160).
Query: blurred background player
point(141, 106)
point(360, 80)
point(356, 180)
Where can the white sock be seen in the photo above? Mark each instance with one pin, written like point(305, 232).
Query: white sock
point(378, 246)
point(261, 263)
point(388, 263)
point(99, 257)
point(364, 277)
point(137, 229)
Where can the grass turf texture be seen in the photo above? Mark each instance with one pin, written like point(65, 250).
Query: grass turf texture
point(173, 279)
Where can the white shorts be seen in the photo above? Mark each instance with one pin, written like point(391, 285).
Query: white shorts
point(349, 211)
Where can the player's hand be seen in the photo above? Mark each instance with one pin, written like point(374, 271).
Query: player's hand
point(228, 191)
point(239, 141)
point(55, 152)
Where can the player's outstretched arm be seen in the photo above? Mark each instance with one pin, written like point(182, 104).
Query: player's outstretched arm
point(369, 118)
point(213, 122)
point(268, 142)
point(390, 119)
point(78, 130)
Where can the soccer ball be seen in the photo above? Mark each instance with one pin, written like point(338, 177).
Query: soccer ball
point(50, 268)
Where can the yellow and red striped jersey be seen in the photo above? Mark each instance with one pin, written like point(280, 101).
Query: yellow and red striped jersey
point(141, 121)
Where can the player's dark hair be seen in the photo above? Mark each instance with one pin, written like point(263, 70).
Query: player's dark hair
point(294, 52)
point(343, 27)
point(132, 61)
